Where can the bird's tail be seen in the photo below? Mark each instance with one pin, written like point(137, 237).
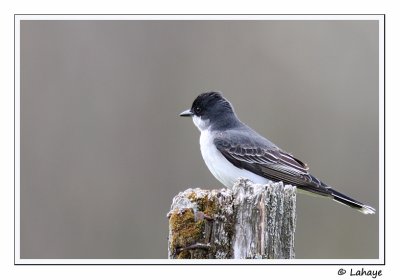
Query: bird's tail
point(344, 199)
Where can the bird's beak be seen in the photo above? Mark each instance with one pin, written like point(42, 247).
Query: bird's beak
point(187, 113)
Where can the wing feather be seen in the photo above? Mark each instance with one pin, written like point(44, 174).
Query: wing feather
point(267, 160)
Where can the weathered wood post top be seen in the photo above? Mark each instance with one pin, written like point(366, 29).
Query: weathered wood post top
point(249, 221)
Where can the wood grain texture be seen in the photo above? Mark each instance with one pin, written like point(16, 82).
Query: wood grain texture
point(248, 221)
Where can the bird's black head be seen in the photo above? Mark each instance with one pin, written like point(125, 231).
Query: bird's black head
point(211, 109)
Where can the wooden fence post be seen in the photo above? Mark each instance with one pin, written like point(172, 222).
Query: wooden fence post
point(249, 221)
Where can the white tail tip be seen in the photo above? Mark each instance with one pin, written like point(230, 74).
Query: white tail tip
point(367, 210)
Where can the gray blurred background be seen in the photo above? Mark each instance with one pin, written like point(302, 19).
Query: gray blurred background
point(103, 151)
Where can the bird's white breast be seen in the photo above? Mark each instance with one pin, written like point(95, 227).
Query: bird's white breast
point(220, 167)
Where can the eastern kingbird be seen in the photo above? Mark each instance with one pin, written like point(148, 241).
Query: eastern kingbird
point(232, 150)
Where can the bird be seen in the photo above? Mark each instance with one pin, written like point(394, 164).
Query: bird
point(232, 150)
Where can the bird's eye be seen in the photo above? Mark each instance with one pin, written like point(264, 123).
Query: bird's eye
point(197, 110)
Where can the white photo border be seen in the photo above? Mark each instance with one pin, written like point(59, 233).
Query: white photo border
point(17, 109)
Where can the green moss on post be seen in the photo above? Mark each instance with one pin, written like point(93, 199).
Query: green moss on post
point(185, 230)
point(196, 217)
point(249, 221)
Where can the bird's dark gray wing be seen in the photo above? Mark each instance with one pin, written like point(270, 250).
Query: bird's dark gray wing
point(260, 156)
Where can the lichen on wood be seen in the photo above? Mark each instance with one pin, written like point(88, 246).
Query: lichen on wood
point(199, 226)
point(249, 221)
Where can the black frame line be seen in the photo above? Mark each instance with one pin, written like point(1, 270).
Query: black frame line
point(229, 264)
